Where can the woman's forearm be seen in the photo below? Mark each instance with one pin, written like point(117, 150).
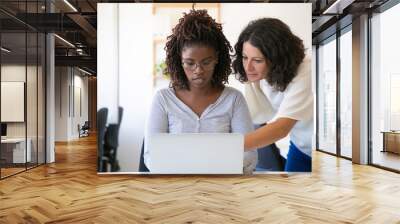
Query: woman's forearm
point(268, 134)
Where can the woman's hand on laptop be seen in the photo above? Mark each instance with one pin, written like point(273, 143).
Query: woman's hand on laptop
point(249, 162)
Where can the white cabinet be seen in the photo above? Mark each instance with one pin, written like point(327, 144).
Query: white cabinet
point(18, 149)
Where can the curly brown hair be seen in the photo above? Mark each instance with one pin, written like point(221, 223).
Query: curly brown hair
point(283, 50)
point(197, 28)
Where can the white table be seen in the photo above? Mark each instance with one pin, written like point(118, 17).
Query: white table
point(19, 149)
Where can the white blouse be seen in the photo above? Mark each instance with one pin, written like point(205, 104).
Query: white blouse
point(297, 102)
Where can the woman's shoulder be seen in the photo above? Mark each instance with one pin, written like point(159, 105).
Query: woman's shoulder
point(304, 69)
point(164, 94)
point(166, 91)
point(231, 91)
point(233, 95)
point(303, 79)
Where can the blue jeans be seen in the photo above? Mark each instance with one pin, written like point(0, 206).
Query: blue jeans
point(297, 161)
point(270, 159)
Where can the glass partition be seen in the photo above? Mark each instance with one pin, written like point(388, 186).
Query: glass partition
point(346, 93)
point(31, 100)
point(13, 107)
point(41, 91)
point(22, 87)
point(385, 89)
point(327, 96)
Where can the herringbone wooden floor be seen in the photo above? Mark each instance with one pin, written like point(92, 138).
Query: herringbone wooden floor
point(70, 191)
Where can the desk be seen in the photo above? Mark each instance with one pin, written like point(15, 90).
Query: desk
point(391, 141)
point(15, 148)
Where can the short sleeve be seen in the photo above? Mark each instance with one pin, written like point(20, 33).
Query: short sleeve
point(298, 100)
point(242, 123)
point(241, 120)
point(260, 107)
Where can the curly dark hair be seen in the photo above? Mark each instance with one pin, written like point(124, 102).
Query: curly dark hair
point(283, 50)
point(197, 28)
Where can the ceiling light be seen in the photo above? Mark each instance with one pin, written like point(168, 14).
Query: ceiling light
point(337, 7)
point(64, 40)
point(5, 50)
point(80, 51)
point(84, 71)
point(70, 5)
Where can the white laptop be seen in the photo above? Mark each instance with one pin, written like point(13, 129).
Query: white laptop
point(196, 153)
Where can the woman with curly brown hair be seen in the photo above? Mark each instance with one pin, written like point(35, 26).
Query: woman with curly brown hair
point(198, 62)
point(271, 60)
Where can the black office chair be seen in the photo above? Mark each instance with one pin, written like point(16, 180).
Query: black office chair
point(142, 165)
point(111, 142)
point(84, 129)
point(101, 131)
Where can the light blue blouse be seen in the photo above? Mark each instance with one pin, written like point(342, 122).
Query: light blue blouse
point(229, 114)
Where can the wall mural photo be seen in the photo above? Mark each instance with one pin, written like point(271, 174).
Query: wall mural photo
point(211, 88)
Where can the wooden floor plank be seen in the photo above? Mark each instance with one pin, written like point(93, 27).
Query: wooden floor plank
point(70, 191)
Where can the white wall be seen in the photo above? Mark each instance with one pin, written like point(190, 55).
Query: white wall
point(81, 103)
point(135, 80)
point(235, 16)
point(15, 72)
point(12, 73)
point(67, 81)
point(61, 103)
point(33, 126)
point(107, 59)
point(125, 73)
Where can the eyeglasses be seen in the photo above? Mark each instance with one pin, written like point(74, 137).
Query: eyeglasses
point(207, 65)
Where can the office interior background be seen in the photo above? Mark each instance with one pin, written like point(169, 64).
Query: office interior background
point(48, 82)
point(48, 86)
point(49, 47)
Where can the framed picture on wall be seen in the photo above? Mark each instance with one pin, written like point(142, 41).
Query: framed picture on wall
point(12, 101)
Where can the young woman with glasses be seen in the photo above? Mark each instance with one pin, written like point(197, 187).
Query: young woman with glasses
point(197, 100)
